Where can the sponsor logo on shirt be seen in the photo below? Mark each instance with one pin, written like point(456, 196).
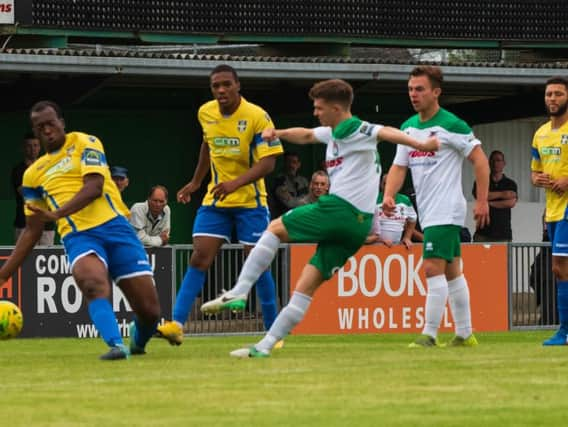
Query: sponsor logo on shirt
point(221, 141)
point(422, 154)
point(92, 139)
point(62, 166)
point(333, 162)
point(564, 139)
point(550, 151)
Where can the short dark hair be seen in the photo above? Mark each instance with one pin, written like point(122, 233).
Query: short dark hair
point(557, 80)
point(433, 72)
point(334, 90)
point(224, 68)
point(158, 187)
point(28, 136)
point(291, 154)
point(42, 105)
point(495, 153)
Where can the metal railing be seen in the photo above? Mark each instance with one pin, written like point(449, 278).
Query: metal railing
point(532, 288)
point(221, 276)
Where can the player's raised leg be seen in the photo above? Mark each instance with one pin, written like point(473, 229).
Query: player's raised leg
point(257, 263)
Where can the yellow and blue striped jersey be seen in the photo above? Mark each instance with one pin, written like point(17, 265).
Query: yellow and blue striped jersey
point(54, 178)
point(235, 144)
point(550, 155)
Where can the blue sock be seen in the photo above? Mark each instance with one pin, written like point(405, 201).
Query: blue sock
point(562, 303)
point(266, 292)
point(143, 332)
point(190, 286)
point(104, 319)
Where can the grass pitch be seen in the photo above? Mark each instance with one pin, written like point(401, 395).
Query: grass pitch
point(357, 380)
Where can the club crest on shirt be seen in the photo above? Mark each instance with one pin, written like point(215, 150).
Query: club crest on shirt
point(242, 125)
point(335, 149)
point(564, 139)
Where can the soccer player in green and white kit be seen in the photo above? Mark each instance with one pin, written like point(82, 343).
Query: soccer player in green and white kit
point(437, 179)
point(339, 222)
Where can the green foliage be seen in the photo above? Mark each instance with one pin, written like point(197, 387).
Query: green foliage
point(357, 380)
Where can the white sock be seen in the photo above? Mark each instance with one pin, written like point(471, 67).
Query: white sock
point(257, 262)
point(289, 317)
point(435, 304)
point(460, 306)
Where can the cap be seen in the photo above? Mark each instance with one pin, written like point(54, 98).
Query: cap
point(119, 171)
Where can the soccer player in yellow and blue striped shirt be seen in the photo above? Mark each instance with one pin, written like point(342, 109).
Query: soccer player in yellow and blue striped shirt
point(239, 160)
point(549, 168)
point(71, 185)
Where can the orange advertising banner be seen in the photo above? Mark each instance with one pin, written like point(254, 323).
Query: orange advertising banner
point(382, 290)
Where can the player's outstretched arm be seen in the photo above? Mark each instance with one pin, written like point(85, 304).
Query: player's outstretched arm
point(396, 136)
point(293, 135)
point(24, 245)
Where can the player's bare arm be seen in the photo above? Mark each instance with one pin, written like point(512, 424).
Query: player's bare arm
point(184, 194)
point(395, 179)
point(501, 204)
point(541, 179)
point(388, 133)
point(501, 195)
point(293, 135)
point(409, 228)
point(24, 245)
point(259, 170)
point(481, 170)
point(560, 185)
point(92, 189)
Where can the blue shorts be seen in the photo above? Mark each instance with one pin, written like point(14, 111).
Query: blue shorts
point(558, 234)
point(249, 223)
point(116, 245)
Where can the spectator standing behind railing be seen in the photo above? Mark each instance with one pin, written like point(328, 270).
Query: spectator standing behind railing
point(152, 219)
point(31, 147)
point(549, 168)
point(119, 175)
point(289, 186)
point(502, 198)
point(319, 185)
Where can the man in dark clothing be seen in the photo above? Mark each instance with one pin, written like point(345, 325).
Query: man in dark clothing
point(502, 198)
point(31, 147)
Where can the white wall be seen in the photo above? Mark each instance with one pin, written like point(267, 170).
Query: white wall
point(514, 139)
point(526, 221)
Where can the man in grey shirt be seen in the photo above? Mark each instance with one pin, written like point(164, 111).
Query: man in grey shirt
point(151, 219)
